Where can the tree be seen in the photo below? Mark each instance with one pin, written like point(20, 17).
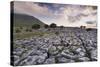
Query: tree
point(35, 26)
point(53, 25)
point(94, 7)
point(46, 26)
point(28, 30)
point(88, 29)
point(82, 27)
point(61, 26)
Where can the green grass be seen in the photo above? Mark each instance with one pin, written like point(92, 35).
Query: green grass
point(29, 34)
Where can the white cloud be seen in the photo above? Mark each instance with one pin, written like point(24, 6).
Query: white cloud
point(30, 8)
point(68, 15)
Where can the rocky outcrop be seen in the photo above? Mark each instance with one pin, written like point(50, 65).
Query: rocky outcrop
point(66, 47)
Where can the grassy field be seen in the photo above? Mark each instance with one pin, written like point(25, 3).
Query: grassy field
point(30, 34)
point(23, 25)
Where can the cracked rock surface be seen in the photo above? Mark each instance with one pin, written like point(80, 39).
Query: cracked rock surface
point(70, 45)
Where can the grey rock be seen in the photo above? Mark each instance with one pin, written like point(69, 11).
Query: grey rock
point(50, 49)
point(94, 54)
point(82, 59)
point(64, 60)
point(69, 56)
point(50, 60)
point(53, 50)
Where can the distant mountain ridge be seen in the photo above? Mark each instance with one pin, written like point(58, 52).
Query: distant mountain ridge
point(25, 20)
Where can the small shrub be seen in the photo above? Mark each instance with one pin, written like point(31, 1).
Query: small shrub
point(17, 30)
point(88, 29)
point(61, 26)
point(46, 26)
point(35, 26)
point(28, 30)
point(53, 25)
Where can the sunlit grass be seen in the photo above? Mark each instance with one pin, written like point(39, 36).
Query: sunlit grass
point(29, 34)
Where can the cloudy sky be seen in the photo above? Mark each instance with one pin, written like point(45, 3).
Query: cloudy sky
point(61, 14)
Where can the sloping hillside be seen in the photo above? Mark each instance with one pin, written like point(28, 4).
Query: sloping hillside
point(25, 20)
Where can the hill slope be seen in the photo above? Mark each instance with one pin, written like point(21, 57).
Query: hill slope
point(25, 20)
